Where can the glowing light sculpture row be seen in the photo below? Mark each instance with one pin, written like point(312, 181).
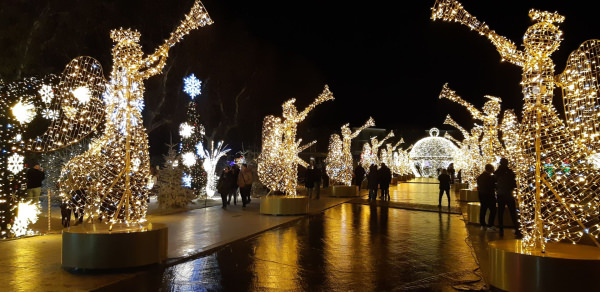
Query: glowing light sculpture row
point(279, 160)
point(558, 197)
point(339, 158)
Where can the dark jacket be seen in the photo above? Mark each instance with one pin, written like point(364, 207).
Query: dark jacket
point(444, 181)
point(35, 178)
point(385, 176)
point(373, 177)
point(486, 184)
point(226, 183)
point(310, 178)
point(506, 181)
point(359, 174)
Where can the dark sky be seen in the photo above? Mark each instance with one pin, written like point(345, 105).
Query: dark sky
point(384, 59)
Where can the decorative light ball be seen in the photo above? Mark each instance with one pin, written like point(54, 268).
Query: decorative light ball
point(192, 86)
point(431, 153)
point(186, 130)
point(82, 94)
point(23, 111)
point(188, 159)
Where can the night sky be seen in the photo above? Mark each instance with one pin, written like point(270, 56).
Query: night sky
point(379, 58)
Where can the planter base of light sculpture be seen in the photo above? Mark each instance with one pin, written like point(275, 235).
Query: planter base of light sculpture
point(563, 267)
point(394, 180)
point(94, 247)
point(460, 186)
point(345, 191)
point(467, 195)
point(474, 208)
point(282, 205)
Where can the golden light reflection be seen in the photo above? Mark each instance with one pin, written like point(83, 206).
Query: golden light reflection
point(276, 265)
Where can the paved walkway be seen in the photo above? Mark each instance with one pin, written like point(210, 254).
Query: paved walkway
point(34, 263)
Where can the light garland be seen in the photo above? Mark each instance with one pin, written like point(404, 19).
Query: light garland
point(278, 161)
point(431, 153)
point(339, 158)
point(558, 194)
point(113, 190)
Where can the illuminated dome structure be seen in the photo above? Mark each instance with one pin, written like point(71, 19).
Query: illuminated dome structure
point(431, 153)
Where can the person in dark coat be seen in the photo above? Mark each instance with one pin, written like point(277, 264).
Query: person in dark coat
point(318, 181)
point(35, 176)
point(486, 184)
point(373, 181)
point(451, 172)
point(359, 175)
point(233, 191)
point(309, 180)
point(385, 178)
point(505, 184)
point(224, 185)
point(444, 179)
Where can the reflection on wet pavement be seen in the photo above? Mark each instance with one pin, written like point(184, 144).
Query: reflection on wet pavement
point(421, 191)
point(350, 247)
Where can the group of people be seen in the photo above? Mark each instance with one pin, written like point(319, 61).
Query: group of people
point(230, 180)
point(496, 187)
point(377, 178)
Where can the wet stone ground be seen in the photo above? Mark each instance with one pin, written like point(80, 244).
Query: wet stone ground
point(351, 247)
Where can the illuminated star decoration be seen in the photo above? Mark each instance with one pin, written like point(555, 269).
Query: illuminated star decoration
point(23, 111)
point(186, 130)
point(46, 93)
point(192, 86)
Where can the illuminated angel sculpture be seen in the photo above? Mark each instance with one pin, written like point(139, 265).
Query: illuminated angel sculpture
point(468, 157)
point(402, 163)
point(491, 148)
point(339, 158)
point(556, 202)
point(387, 155)
point(110, 180)
point(277, 163)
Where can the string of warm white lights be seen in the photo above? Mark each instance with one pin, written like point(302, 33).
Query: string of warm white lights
point(114, 173)
point(278, 160)
point(468, 157)
point(211, 158)
point(339, 158)
point(558, 194)
point(370, 154)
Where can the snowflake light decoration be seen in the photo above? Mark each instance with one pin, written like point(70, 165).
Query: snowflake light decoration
point(46, 93)
point(15, 163)
point(186, 180)
point(188, 159)
point(192, 86)
point(49, 114)
point(186, 130)
point(82, 94)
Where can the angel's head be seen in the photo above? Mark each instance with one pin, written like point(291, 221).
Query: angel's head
point(127, 47)
point(346, 130)
point(543, 38)
point(492, 106)
point(289, 109)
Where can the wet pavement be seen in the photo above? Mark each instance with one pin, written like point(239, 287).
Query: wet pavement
point(407, 244)
point(350, 247)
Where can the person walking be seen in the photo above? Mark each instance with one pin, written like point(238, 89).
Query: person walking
point(359, 175)
point(444, 179)
point(233, 191)
point(486, 183)
point(35, 176)
point(309, 180)
point(224, 185)
point(245, 183)
point(385, 178)
point(505, 184)
point(373, 182)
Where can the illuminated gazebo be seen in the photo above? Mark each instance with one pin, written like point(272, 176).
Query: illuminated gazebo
point(431, 153)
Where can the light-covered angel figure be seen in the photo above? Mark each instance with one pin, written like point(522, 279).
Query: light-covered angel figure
point(367, 158)
point(387, 155)
point(339, 166)
point(557, 182)
point(110, 180)
point(491, 148)
point(376, 144)
point(277, 163)
point(468, 158)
